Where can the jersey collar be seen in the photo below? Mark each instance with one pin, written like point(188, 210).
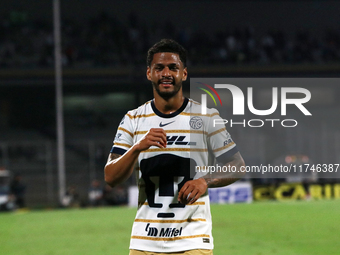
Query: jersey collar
point(171, 115)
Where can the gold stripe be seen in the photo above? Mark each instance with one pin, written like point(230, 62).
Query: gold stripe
point(198, 114)
point(140, 204)
point(224, 147)
point(178, 131)
point(198, 132)
point(140, 132)
point(123, 144)
point(123, 129)
point(217, 131)
point(194, 102)
point(175, 149)
point(169, 238)
point(141, 115)
point(190, 114)
point(174, 131)
point(169, 221)
point(196, 203)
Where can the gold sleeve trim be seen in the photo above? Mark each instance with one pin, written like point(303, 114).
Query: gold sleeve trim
point(126, 131)
point(217, 131)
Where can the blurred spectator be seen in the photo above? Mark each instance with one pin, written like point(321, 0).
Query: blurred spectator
point(115, 196)
point(71, 198)
point(95, 194)
point(105, 41)
point(18, 190)
point(6, 199)
point(108, 195)
point(100, 155)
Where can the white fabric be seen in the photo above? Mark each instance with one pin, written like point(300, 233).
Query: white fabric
point(161, 173)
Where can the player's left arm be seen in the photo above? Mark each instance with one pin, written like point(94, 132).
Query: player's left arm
point(236, 167)
point(192, 190)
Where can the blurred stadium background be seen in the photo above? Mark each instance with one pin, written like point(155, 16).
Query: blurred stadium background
point(104, 46)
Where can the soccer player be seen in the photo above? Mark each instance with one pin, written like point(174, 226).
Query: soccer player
point(163, 141)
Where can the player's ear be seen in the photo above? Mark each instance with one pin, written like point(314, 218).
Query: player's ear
point(148, 73)
point(185, 74)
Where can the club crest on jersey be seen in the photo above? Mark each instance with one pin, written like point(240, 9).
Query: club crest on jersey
point(196, 122)
point(117, 138)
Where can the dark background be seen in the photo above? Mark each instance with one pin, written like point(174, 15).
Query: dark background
point(104, 52)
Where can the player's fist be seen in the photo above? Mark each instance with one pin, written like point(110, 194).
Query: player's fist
point(192, 190)
point(154, 137)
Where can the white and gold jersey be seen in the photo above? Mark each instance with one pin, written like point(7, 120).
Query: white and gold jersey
point(162, 224)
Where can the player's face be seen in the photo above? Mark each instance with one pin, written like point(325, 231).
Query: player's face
point(166, 74)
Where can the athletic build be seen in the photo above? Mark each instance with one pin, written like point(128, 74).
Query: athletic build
point(156, 140)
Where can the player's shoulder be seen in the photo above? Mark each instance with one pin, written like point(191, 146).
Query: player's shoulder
point(196, 109)
point(140, 111)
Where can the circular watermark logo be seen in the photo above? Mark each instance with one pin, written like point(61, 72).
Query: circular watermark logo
point(196, 122)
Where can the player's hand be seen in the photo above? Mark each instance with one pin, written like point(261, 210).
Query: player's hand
point(192, 190)
point(154, 137)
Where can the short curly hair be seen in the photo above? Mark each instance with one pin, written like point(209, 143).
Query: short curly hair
point(167, 45)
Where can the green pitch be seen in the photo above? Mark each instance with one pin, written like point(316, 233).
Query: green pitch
point(260, 228)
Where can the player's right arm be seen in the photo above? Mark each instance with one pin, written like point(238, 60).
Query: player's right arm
point(119, 167)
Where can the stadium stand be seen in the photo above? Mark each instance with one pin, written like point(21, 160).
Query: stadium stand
point(105, 55)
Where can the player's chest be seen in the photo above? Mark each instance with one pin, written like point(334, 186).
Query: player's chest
point(177, 123)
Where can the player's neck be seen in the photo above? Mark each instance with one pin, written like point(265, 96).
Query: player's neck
point(168, 106)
